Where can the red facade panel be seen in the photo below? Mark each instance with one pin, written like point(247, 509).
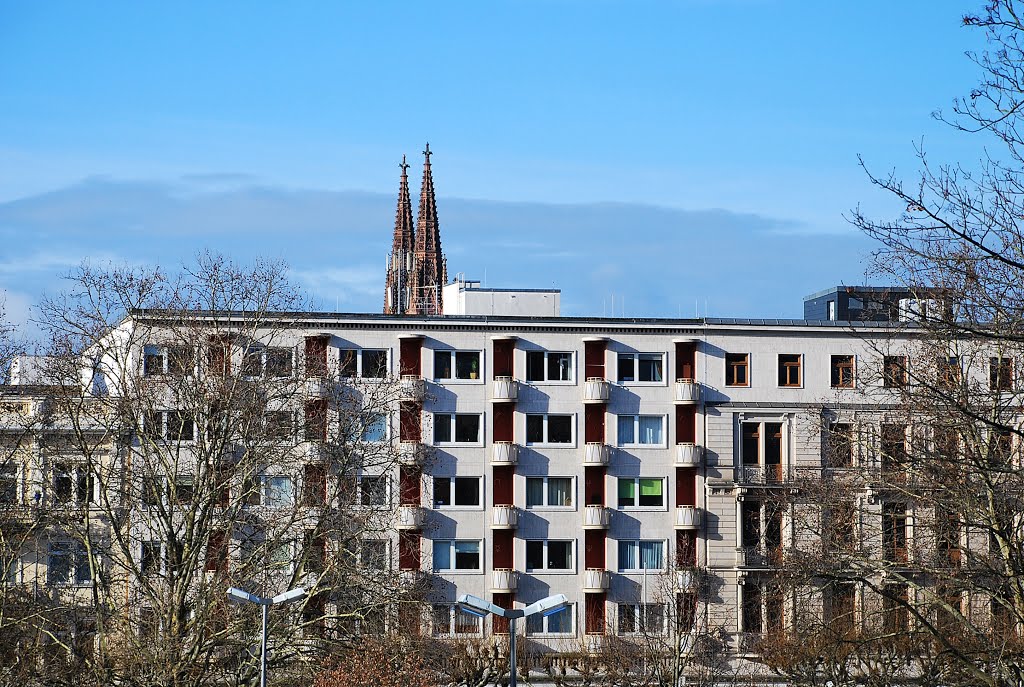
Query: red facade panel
point(409, 421)
point(502, 554)
point(409, 357)
point(500, 625)
point(594, 618)
point(409, 486)
point(686, 424)
point(503, 351)
point(593, 486)
point(408, 551)
point(593, 423)
point(686, 548)
point(594, 543)
point(593, 357)
point(686, 486)
point(316, 355)
point(686, 354)
point(503, 486)
point(503, 414)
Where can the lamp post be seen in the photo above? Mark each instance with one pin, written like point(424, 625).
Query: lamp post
point(242, 596)
point(474, 605)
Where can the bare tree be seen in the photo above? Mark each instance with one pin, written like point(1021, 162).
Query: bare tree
point(194, 439)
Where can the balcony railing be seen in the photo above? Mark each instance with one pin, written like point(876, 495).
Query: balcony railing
point(758, 556)
point(596, 580)
point(594, 643)
point(596, 390)
point(411, 388)
point(688, 518)
point(763, 474)
point(506, 390)
point(686, 391)
point(504, 453)
point(688, 455)
point(410, 453)
point(596, 453)
point(504, 517)
point(410, 517)
point(504, 580)
point(596, 517)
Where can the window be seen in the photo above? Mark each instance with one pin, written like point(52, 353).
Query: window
point(9, 484)
point(560, 623)
point(762, 607)
point(457, 491)
point(647, 619)
point(840, 607)
point(948, 372)
point(830, 311)
point(280, 425)
point(641, 492)
point(789, 369)
point(641, 554)
point(449, 619)
point(893, 444)
point(457, 555)
point(839, 531)
point(456, 428)
point(173, 360)
point(1000, 374)
point(549, 555)
point(367, 363)
point(548, 366)
point(73, 484)
point(895, 609)
point(737, 369)
point(549, 429)
point(182, 489)
point(894, 371)
point(68, 563)
point(266, 361)
point(151, 560)
point(276, 491)
point(641, 367)
point(374, 554)
point(456, 365)
point(842, 371)
point(840, 445)
point(170, 425)
point(641, 430)
point(375, 427)
point(894, 532)
point(549, 492)
point(373, 491)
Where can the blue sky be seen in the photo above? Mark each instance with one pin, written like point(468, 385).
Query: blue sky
point(668, 153)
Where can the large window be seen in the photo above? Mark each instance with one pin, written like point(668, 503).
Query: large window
point(373, 554)
point(641, 554)
point(370, 363)
point(457, 428)
point(373, 490)
point(544, 555)
point(73, 484)
point(169, 425)
point(456, 365)
point(457, 491)
point(646, 619)
point(789, 370)
point(737, 369)
point(642, 367)
point(560, 623)
point(457, 555)
point(267, 361)
point(276, 491)
point(842, 371)
point(894, 371)
point(172, 360)
point(68, 563)
point(1000, 373)
point(552, 492)
point(641, 430)
point(449, 619)
point(550, 429)
point(549, 366)
point(641, 492)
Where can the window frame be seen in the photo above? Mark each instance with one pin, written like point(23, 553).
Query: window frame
point(641, 613)
point(452, 424)
point(636, 494)
point(547, 495)
point(452, 489)
point(637, 434)
point(163, 433)
point(570, 570)
point(361, 492)
point(452, 625)
point(889, 365)
point(265, 482)
point(544, 620)
point(733, 362)
point(264, 353)
point(359, 371)
point(636, 356)
point(547, 367)
point(838, 363)
point(995, 369)
point(452, 556)
point(78, 560)
point(637, 542)
point(786, 364)
point(453, 354)
point(547, 443)
point(163, 351)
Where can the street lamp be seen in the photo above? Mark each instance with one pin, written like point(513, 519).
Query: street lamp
point(474, 605)
point(242, 596)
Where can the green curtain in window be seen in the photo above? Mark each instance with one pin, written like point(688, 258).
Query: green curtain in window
point(626, 489)
point(650, 487)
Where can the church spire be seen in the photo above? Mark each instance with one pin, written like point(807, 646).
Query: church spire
point(400, 265)
point(430, 273)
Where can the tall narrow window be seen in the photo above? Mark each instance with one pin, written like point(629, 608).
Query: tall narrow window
point(1000, 373)
point(789, 370)
point(894, 371)
point(894, 532)
point(737, 369)
point(840, 445)
point(842, 371)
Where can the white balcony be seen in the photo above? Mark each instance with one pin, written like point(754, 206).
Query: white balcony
point(410, 518)
point(686, 579)
point(596, 390)
point(410, 453)
point(319, 387)
point(506, 390)
point(688, 455)
point(504, 518)
point(596, 517)
point(596, 580)
point(686, 391)
point(593, 644)
point(504, 580)
point(688, 518)
point(596, 453)
point(411, 388)
point(504, 453)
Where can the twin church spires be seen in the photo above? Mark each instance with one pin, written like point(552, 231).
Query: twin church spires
point(417, 270)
